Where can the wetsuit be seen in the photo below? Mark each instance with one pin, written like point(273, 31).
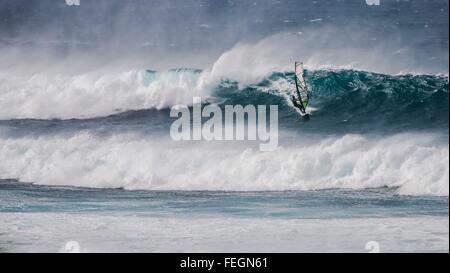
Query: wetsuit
point(297, 104)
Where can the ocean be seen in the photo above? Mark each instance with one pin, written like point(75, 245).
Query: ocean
point(87, 162)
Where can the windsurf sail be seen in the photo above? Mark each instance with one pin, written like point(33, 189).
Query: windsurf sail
point(301, 87)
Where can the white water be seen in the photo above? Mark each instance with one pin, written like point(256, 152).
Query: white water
point(46, 93)
point(416, 163)
point(92, 94)
point(51, 232)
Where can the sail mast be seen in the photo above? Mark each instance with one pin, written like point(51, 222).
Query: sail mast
point(300, 84)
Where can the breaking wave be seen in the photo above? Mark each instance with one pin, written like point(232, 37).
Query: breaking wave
point(347, 147)
point(415, 163)
point(339, 96)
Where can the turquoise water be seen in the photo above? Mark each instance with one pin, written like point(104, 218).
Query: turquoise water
point(338, 203)
point(51, 219)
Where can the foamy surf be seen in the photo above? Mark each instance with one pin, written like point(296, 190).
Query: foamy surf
point(148, 234)
point(415, 163)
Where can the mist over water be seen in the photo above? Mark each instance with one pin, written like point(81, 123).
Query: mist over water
point(399, 36)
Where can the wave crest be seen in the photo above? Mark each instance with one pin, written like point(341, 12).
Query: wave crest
point(338, 96)
point(91, 95)
point(416, 163)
